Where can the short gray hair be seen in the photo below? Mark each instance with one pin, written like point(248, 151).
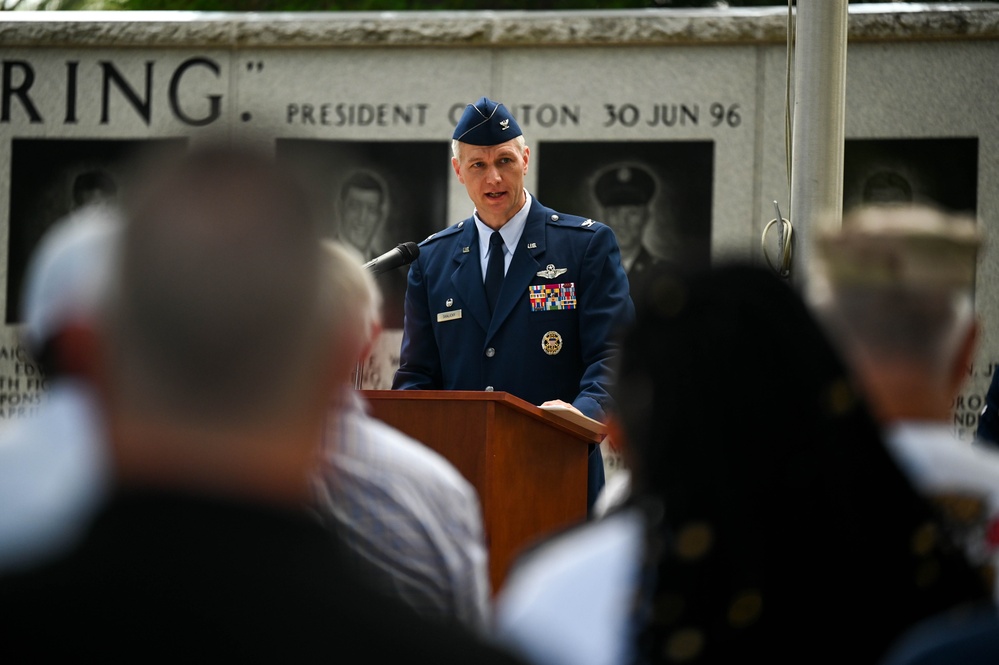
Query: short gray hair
point(896, 282)
point(217, 313)
point(354, 292)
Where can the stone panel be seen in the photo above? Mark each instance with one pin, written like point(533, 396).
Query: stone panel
point(341, 93)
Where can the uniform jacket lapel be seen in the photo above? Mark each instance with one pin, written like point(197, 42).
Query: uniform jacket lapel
point(467, 275)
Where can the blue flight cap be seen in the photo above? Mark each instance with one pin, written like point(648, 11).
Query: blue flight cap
point(486, 123)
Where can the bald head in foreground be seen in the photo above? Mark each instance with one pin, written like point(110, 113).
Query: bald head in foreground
point(220, 350)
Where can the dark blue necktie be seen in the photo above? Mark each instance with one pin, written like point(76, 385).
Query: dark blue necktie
point(494, 271)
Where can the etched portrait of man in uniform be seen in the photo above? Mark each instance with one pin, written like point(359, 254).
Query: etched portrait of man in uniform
point(374, 195)
point(938, 172)
point(655, 195)
point(52, 177)
point(625, 192)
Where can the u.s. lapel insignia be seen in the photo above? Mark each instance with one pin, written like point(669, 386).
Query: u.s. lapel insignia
point(532, 245)
point(551, 272)
point(551, 342)
point(466, 250)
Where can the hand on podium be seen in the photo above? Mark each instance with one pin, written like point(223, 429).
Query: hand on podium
point(559, 403)
point(572, 414)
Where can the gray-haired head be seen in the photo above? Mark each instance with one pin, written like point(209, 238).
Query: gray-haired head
point(895, 283)
point(219, 312)
point(355, 293)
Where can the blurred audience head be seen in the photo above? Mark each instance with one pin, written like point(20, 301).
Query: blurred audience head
point(784, 522)
point(219, 331)
point(894, 286)
point(355, 293)
point(217, 311)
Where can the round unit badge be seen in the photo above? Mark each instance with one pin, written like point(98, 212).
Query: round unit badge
point(551, 342)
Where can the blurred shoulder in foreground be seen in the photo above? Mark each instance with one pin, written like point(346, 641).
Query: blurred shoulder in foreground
point(54, 462)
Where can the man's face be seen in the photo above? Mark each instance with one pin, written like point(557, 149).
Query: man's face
point(493, 176)
point(628, 222)
point(361, 217)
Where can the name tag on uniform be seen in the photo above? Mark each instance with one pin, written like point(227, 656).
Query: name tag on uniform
point(551, 297)
point(449, 316)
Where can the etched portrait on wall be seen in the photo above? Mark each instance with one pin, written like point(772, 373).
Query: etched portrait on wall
point(52, 177)
point(941, 172)
point(375, 195)
point(363, 205)
point(656, 195)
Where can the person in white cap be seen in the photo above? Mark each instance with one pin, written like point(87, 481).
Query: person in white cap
point(894, 286)
point(53, 462)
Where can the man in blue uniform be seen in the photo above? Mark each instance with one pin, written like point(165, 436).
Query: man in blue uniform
point(518, 297)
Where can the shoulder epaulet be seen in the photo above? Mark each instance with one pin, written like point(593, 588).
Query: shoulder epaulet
point(572, 221)
point(443, 233)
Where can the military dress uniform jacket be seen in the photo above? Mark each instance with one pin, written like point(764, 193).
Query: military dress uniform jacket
point(564, 297)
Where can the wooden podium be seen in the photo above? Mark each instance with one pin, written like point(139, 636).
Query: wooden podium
point(529, 465)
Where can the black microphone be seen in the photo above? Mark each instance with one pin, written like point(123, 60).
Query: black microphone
point(402, 255)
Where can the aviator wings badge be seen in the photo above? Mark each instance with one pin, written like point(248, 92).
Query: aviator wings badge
point(551, 272)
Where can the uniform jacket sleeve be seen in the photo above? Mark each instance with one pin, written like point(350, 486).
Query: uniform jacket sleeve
point(605, 307)
point(420, 364)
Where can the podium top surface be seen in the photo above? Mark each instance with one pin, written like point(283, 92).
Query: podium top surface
point(584, 428)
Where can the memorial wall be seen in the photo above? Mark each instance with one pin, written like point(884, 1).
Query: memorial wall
point(686, 105)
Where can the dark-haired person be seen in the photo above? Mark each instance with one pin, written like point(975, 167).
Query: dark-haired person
point(775, 526)
point(894, 285)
